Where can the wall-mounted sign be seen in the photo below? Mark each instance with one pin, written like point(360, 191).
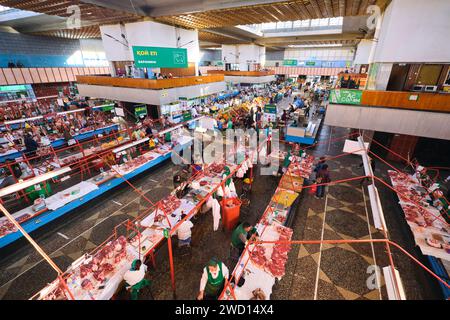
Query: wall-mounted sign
point(158, 57)
point(14, 88)
point(345, 96)
point(310, 63)
point(140, 111)
point(290, 62)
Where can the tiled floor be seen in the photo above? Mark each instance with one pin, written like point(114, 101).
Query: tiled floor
point(327, 272)
point(23, 270)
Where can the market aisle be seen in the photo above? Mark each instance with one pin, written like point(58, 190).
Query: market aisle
point(343, 268)
point(206, 243)
point(84, 229)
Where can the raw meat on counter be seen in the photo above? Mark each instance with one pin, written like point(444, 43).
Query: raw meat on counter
point(102, 264)
point(275, 265)
point(170, 204)
point(7, 227)
point(304, 168)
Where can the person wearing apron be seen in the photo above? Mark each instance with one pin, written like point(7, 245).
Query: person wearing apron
point(239, 238)
point(135, 279)
point(213, 280)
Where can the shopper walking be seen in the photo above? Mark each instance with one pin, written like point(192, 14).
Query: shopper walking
point(323, 176)
point(319, 165)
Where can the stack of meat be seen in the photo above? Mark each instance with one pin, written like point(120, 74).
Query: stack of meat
point(304, 168)
point(420, 216)
point(131, 165)
point(57, 294)
point(276, 265)
point(273, 257)
point(7, 227)
point(216, 167)
point(169, 204)
point(103, 263)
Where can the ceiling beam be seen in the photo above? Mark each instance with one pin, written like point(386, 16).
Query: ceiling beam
point(341, 8)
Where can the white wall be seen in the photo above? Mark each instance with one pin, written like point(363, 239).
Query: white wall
point(329, 54)
point(243, 55)
point(379, 74)
point(410, 122)
point(415, 31)
point(363, 52)
point(114, 50)
point(253, 80)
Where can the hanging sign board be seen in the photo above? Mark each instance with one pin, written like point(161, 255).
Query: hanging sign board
point(290, 62)
point(140, 111)
point(158, 57)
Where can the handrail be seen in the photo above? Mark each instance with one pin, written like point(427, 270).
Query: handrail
point(420, 101)
point(148, 83)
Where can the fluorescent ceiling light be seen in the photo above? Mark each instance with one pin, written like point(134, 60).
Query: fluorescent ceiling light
point(314, 45)
point(33, 181)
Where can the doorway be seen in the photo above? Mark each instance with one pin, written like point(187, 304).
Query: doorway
point(398, 77)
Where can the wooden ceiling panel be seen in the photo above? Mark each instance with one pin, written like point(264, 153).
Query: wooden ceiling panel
point(273, 12)
point(254, 14)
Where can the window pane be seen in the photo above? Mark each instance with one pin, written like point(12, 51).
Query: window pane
point(315, 22)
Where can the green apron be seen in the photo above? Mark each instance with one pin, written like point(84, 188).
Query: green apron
point(226, 173)
point(286, 161)
point(235, 240)
point(137, 287)
point(213, 286)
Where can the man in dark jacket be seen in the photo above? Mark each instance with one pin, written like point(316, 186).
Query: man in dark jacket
point(30, 145)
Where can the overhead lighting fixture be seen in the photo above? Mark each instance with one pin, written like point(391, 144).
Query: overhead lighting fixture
point(315, 45)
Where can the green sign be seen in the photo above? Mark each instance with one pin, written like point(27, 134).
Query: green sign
point(345, 96)
point(270, 108)
point(14, 88)
point(140, 111)
point(310, 63)
point(290, 62)
point(166, 233)
point(157, 57)
point(108, 107)
point(187, 116)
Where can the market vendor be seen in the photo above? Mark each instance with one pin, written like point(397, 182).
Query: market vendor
point(213, 280)
point(423, 177)
point(239, 237)
point(135, 279)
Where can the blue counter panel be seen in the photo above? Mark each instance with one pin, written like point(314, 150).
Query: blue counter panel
point(437, 268)
point(303, 140)
point(46, 217)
